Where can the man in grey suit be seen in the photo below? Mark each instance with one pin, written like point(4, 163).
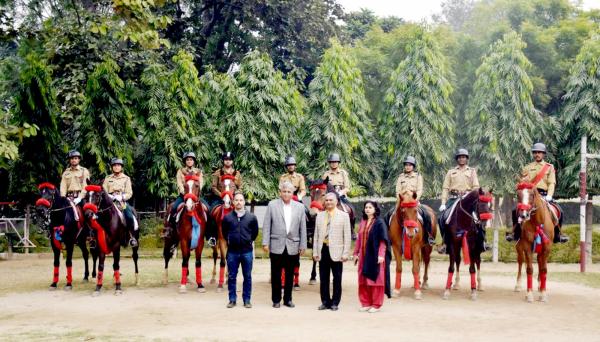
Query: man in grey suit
point(284, 238)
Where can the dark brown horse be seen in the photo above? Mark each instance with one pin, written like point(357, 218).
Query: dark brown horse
point(191, 228)
point(107, 222)
point(464, 230)
point(409, 240)
point(217, 213)
point(57, 217)
point(537, 234)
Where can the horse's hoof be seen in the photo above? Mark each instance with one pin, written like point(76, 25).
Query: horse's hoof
point(182, 289)
point(543, 297)
point(396, 293)
point(296, 287)
point(165, 280)
point(518, 288)
point(96, 293)
point(137, 279)
point(118, 292)
point(220, 288)
point(213, 281)
point(52, 287)
point(68, 287)
point(312, 282)
point(446, 295)
point(456, 287)
point(529, 297)
point(418, 295)
point(201, 289)
point(473, 294)
point(425, 286)
point(86, 280)
point(480, 288)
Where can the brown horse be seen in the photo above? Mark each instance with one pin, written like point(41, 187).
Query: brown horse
point(57, 217)
point(464, 229)
point(537, 234)
point(409, 240)
point(108, 223)
point(217, 213)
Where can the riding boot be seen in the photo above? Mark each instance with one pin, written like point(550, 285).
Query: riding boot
point(441, 249)
point(427, 225)
point(482, 236)
point(515, 235)
point(129, 220)
point(559, 237)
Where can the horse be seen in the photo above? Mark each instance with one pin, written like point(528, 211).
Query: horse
point(217, 213)
point(57, 217)
point(537, 235)
point(191, 228)
point(107, 221)
point(409, 240)
point(468, 215)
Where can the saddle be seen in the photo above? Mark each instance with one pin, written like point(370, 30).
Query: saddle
point(179, 211)
point(555, 211)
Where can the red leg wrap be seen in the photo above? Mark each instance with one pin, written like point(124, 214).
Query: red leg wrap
point(473, 281)
point(69, 275)
point(55, 275)
point(529, 282)
point(222, 275)
point(99, 278)
point(199, 275)
point(117, 277)
point(184, 273)
point(416, 280)
point(398, 280)
point(543, 277)
point(449, 280)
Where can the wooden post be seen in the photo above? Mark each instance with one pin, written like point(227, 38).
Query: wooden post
point(582, 203)
point(496, 225)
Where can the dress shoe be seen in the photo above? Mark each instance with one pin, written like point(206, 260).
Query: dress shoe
point(289, 304)
point(323, 307)
point(276, 305)
point(334, 308)
point(230, 305)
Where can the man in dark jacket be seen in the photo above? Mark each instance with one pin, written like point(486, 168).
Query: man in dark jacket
point(241, 229)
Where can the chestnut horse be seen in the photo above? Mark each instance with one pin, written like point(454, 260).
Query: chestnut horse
point(537, 234)
point(57, 217)
point(409, 240)
point(217, 213)
point(107, 222)
point(469, 214)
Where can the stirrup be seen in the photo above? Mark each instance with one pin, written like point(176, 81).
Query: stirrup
point(441, 249)
point(431, 241)
point(133, 242)
point(563, 238)
point(510, 237)
point(212, 242)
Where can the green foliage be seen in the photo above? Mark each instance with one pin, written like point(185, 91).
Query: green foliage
point(502, 121)
point(10, 138)
point(419, 116)
point(339, 121)
point(581, 116)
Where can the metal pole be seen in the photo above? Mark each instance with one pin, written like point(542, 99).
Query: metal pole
point(583, 202)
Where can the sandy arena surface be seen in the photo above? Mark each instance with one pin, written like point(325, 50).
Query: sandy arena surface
point(28, 311)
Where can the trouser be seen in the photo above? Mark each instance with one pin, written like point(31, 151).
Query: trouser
point(371, 295)
point(327, 266)
point(287, 262)
point(234, 259)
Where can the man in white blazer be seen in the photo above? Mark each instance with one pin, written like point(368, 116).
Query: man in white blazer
point(331, 248)
point(284, 238)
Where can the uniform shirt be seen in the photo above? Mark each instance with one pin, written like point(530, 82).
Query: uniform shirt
point(74, 180)
point(459, 180)
point(548, 181)
point(118, 183)
point(216, 184)
point(412, 181)
point(297, 181)
point(338, 178)
point(181, 173)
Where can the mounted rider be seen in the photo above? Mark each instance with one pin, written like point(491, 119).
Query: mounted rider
point(217, 184)
point(459, 180)
point(118, 187)
point(411, 180)
point(189, 169)
point(73, 181)
point(294, 177)
point(543, 176)
point(338, 177)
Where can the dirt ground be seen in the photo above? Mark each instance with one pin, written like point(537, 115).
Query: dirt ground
point(28, 311)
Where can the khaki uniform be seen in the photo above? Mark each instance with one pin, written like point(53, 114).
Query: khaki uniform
point(338, 178)
point(412, 181)
point(216, 185)
point(459, 180)
point(74, 180)
point(120, 183)
point(297, 181)
point(548, 181)
point(181, 173)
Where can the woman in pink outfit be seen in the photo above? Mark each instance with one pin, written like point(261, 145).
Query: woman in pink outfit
point(372, 253)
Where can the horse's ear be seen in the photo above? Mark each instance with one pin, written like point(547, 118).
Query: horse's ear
point(491, 191)
point(326, 180)
point(481, 192)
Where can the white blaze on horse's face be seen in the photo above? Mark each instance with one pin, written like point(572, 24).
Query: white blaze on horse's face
point(227, 202)
point(227, 184)
point(189, 204)
point(525, 198)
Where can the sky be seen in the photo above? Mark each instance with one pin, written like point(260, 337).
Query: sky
point(413, 10)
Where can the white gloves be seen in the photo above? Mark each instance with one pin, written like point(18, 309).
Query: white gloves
point(380, 260)
point(76, 200)
point(442, 207)
point(111, 197)
point(548, 198)
point(119, 197)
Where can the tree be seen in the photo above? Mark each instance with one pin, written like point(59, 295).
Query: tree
point(419, 117)
point(105, 126)
point(339, 118)
point(581, 116)
point(359, 23)
point(502, 120)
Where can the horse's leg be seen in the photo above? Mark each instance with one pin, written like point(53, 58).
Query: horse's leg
point(473, 274)
point(520, 260)
point(452, 255)
point(222, 264)
point(416, 269)
point(167, 255)
point(543, 272)
point(56, 252)
point(69, 263)
point(201, 288)
point(134, 256)
point(215, 256)
point(185, 258)
point(457, 260)
point(478, 264)
point(398, 257)
point(313, 274)
point(297, 276)
point(426, 255)
point(116, 269)
point(529, 270)
point(86, 255)
point(100, 277)
point(95, 253)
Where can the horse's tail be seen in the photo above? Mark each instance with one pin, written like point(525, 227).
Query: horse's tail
point(211, 227)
